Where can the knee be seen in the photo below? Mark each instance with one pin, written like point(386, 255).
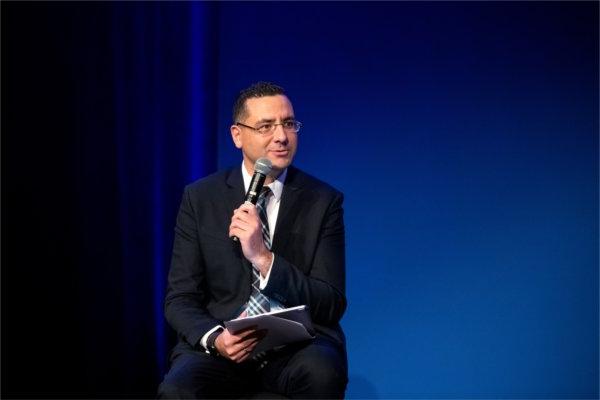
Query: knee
point(324, 381)
point(319, 378)
point(172, 390)
point(189, 380)
point(179, 386)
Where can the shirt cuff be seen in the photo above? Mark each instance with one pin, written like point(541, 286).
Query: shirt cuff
point(265, 280)
point(206, 335)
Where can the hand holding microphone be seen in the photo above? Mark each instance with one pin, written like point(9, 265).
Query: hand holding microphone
point(262, 167)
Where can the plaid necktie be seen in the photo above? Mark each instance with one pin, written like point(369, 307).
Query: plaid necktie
point(258, 302)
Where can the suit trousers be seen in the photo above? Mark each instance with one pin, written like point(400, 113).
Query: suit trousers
point(314, 369)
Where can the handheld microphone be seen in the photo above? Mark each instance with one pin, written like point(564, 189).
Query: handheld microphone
point(261, 170)
point(262, 167)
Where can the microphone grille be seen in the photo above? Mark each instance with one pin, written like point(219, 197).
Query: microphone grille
point(263, 166)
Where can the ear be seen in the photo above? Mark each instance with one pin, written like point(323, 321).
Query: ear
point(236, 135)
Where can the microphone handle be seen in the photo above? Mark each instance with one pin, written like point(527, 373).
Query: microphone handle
point(256, 185)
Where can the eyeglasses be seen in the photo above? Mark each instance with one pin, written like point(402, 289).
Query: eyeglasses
point(290, 126)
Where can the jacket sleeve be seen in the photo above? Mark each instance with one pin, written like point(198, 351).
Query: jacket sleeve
point(323, 287)
point(186, 298)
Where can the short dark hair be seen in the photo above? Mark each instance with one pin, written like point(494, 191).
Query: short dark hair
point(258, 89)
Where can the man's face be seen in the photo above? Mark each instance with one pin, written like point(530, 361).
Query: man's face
point(278, 146)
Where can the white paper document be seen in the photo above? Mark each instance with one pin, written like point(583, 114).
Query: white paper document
point(283, 327)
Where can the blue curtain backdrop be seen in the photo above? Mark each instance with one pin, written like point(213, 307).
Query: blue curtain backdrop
point(109, 111)
point(164, 128)
point(464, 135)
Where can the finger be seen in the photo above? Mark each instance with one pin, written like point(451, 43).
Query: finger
point(240, 214)
point(237, 226)
point(244, 357)
point(246, 333)
point(244, 353)
point(243, 218)
point(241, 358)
point(237, 229)
point(234, 232)
point(251, 347)
point(250, 343)
point(235, 337)
point(229, 340)
point(240, 221)
point(242, 346)
point(252, 214)
point(247, 207)
point(238, 353)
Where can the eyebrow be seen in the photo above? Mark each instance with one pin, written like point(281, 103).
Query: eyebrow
point(272, 120)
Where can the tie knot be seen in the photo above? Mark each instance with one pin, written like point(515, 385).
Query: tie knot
point(265, 192)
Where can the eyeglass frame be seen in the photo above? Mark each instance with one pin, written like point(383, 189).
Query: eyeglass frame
point(296, 123)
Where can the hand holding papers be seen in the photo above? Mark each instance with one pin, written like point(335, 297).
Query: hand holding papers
point(282, 327)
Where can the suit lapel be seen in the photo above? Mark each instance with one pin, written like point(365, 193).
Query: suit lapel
point(235, 189)
point(288, 209)
point(234, 197)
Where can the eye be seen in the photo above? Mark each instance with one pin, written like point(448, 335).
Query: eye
point(265, 128)
point(289, 124)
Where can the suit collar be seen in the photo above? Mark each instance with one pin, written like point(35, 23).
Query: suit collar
point(234, 179)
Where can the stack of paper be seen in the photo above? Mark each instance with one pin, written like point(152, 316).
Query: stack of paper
point(282, 327)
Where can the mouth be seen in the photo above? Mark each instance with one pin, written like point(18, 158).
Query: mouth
point(280, 152)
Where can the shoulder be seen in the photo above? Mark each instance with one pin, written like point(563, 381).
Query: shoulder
point(302, 180)
point(214, 183)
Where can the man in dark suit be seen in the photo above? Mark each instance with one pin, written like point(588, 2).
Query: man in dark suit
point(212, 277)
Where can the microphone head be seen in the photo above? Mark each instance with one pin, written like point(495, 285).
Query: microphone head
point(263, 166)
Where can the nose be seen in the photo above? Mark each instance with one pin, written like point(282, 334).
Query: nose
point(280, 136)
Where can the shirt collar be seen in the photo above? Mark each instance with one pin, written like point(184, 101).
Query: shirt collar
point(276, 186)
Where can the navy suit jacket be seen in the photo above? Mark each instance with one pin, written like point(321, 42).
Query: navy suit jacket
point(210, 279)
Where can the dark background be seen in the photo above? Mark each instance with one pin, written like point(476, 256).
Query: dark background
point(464, 135)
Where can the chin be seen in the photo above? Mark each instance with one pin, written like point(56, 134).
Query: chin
point(280, 164)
